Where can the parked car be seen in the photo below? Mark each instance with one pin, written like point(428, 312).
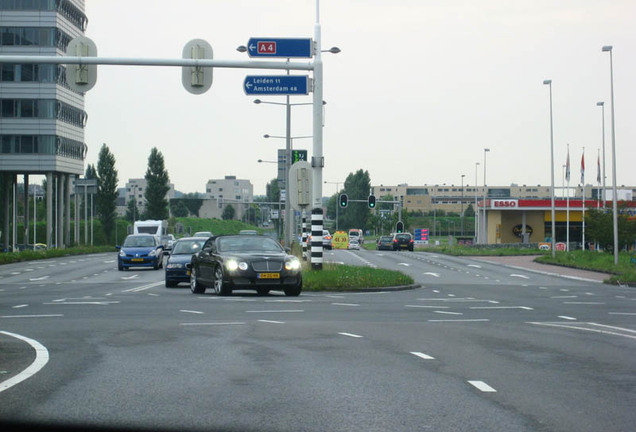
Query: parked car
point(179, 258)
point(254, 262)
point(403, 241)
point(140, 250)
point(353, 244)
point(384, 243)
point(206, 234)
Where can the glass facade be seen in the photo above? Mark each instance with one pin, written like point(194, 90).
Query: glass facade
point(42, 144)
point(42, 109)
point(63, 7)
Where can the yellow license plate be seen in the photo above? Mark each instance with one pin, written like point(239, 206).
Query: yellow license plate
point(269, 275)
point(137, 260)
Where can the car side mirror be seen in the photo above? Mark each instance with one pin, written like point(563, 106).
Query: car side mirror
point(118, 247)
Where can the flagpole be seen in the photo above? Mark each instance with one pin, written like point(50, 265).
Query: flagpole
point(583, 195)
point(567, 207)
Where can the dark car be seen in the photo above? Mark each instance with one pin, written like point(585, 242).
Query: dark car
point(403, 241)
point(384, 243)
point(236, 262)
point(140, 250)
point(179, 258)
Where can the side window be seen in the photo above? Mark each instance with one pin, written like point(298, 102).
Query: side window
point(208, 246)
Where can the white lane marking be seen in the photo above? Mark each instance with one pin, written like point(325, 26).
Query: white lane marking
point(460, 320)
point(20, 306)
point(344, 304)
point(32, 316)
point(288, 301)
point(458, 300)
point(563, 297)
point(39, 279)
point(212, 324)
point(622, 313)
point(135, 276)
point(276, 311)
point(272, 322)
point(448, 313)
point(350, 335)
point(15, 273)
point(432, 274)
point(41, 359)
point(579, 327)
point(404, 264)
point(436, 291)
point(427, 307)
point(474, 265)
point(98, 303)
point(335, 296)
point(423, 356)
point(190, 311)
point(564, 290)
point(154, 295)
point(613, 327)
point(584, 303)
point(519, 276)
point(501, 307)
point(480, 385)
point(567, 317)
point(452, 295)
point(144, 287)
point(109, 261)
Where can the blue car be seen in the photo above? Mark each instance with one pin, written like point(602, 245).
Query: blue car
point(140, 250)
point(179, 257)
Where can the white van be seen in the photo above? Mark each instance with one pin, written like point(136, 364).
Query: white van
point(355, 233)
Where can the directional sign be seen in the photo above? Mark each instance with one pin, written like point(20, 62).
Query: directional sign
point(280, 47)
point(276, 85)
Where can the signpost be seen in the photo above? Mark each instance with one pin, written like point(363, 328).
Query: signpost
point(280, 47)
point(276, 85)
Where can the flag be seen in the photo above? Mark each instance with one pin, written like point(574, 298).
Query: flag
point(583, 168)
point(567, 167)
point(598, 169)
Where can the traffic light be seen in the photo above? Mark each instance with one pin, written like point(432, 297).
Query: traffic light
point(371, 201)
point(399, 227)
point(344, 199)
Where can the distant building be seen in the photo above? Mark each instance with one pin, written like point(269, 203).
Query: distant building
point(135, 190)
point(230, 190)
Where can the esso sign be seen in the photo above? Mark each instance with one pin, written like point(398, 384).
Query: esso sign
point(509, 204)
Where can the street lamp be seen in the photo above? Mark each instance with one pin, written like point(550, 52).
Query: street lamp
point(462, 205)
point(549, 83)
point(337, 204)
point(608, 48)
point(484, 225)
point(602, 105)
point(476, 212)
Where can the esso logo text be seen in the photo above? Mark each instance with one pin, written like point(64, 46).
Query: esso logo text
point(505, 204)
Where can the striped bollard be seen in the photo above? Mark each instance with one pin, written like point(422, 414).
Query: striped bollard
point(316, 239)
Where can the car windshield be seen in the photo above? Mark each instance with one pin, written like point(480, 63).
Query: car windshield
point(187, 246)
point(248, 244)
point(140, 241)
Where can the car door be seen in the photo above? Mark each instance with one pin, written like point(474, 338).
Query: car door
point(206, 267)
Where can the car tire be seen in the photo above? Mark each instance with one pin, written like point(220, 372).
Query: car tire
point(220, 287)
point(195, 286)
point(120, 267)
point(295, 290)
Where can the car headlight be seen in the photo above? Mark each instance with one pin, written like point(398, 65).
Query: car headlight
point(153, 252)
point(292, 264)
point(233, 265)
point(175, 266)
point(122, 253)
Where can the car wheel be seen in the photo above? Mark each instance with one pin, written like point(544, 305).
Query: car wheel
point(220, 288)
point(295, 290)
point(120, 267)
point(195, 286)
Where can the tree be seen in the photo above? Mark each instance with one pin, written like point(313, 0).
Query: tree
point(106, 190)
point(356, 214)
point(228, 213)
point(470, 211)
point(157, 186)
point(179, 209)
point(132, 212)
point(272, 191)
point(599, 228)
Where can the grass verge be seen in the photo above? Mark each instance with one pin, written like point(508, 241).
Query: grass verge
point(623, 273)
point(13, 257)
point(340, 277)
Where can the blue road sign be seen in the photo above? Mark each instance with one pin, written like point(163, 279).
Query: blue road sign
point(280, 47)
point(276, 85)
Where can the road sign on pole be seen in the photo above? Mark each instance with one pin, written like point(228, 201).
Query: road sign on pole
point(276, 85)
point(280, 47)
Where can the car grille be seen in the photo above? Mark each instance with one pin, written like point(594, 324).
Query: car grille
point(267, 266)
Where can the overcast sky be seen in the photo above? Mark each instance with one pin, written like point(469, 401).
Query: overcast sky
point(420, 88)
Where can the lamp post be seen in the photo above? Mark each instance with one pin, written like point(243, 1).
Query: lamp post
point(288, 148)
point(608, 48)
point(279, 205)
point(462, 206)
point(549, 83)
point(476, 208)
point(337, 203)
point(484, 225)
point(602, 105)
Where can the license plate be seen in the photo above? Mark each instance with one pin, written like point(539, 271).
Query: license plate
point(269, 275)
point(137, 260)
